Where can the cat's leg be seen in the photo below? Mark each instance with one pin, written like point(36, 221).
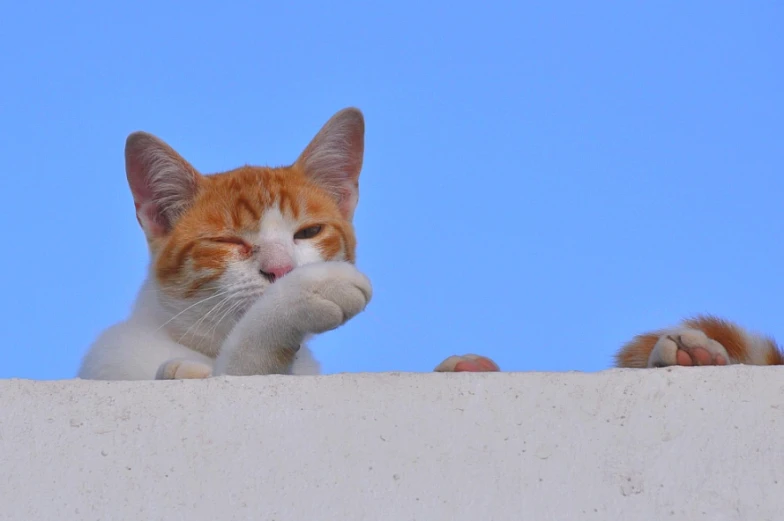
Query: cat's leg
point(467, 363)
point(311, 299)
point(703, 340)
point(183, 369)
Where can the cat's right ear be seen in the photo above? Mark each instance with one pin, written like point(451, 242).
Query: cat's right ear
point(163, 184)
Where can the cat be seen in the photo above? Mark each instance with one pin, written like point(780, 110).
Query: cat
point(245, 265)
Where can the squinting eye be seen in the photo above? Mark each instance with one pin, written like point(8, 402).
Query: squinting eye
point(308, 233)
point(230, 240)
point(237, 243)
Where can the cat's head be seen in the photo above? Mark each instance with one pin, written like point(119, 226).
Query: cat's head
point(231, 235)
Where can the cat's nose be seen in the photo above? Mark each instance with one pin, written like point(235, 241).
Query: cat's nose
point(274, 272)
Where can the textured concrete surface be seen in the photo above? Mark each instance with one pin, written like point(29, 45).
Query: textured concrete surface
point(689, 444)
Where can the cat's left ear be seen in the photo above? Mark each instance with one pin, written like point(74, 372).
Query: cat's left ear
point(333, 159)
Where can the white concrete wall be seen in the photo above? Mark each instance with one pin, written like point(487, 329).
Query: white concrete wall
point(684, 444)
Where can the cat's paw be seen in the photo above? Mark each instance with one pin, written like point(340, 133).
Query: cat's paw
point(183, 369)
point(467, 363)
point(326, 294)
point(687, 347)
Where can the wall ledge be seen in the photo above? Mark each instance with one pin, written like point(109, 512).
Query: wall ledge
point(682, 443)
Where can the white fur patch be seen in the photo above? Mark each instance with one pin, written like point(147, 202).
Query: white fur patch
point(758, 348)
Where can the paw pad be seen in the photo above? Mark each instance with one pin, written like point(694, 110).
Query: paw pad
point(467, 364)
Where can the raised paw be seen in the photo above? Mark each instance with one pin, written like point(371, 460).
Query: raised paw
point(183, 369)
point(467, 363)
point(327, 294)
point(687, 347)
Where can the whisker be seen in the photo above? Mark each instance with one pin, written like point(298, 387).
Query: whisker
point(214, 329)
point(229, 312)
point(241, 299)
point(192, 306)
point(204, 316)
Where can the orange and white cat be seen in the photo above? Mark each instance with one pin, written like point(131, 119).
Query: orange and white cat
point(245, 265)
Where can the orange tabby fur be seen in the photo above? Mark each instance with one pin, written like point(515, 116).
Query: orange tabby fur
point(228, 209)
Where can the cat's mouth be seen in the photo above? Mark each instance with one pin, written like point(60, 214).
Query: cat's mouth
point(271, 277)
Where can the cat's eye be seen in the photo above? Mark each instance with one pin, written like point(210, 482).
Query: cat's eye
point(230, 240)
point(309, 232)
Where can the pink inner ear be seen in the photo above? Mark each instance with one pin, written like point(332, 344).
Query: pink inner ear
point(347, 201)
point(150, 219)
point(137, 179)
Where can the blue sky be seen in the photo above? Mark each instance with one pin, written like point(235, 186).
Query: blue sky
point(542, 180)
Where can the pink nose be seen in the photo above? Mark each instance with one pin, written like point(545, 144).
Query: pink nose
point(277, 271)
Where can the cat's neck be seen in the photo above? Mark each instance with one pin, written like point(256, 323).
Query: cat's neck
point(193, 327)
